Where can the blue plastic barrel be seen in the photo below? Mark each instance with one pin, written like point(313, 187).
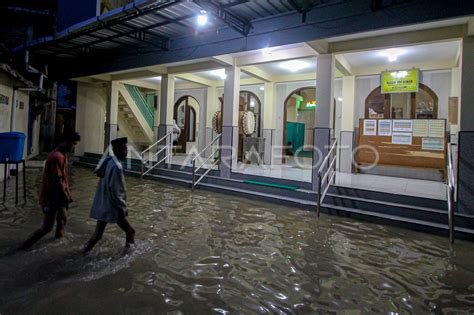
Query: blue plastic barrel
point(11, 146)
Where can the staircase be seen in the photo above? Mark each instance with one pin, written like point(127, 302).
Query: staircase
point(421, 214)
point(136, 118)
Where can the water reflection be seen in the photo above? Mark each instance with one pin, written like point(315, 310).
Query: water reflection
point(211, 253)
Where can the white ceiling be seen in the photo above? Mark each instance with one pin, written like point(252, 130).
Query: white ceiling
point(157, 80)
point(210, 75)
point(396, 30)
point(275, 68)
point(410, 55)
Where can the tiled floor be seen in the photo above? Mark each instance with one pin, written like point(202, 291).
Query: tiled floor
point(302, 172)
point(397, 185)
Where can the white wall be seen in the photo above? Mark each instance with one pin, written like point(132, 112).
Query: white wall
point(437, 80)
point(21, 115)
point(283, 91)
point(90, 117)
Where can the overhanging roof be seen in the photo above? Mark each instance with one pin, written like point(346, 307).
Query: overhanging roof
point(145, 26)
point(148, 33)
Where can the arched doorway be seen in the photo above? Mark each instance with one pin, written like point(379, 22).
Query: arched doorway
point(185, 116)
point(415, 105)
point(252, 104)
point(298, 123)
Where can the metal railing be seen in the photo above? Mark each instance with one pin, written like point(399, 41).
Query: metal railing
point(151, 156)
point(450, 191)
point(217, 160)
point(326, 177)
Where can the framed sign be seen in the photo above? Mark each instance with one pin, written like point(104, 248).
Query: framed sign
point(399, 81)
point(403, 125)
point(385, 127)
point(370, 127)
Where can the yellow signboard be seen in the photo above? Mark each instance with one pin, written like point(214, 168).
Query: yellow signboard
point(399, 81)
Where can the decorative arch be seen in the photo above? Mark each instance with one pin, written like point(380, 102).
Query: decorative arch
point(378, 105)
point(256, 109)
point(285, 113)
point(185, 116)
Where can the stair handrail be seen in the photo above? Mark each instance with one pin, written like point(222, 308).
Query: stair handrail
point(450, 191)
point(330, 163)
point(141, 103)
point(168, 146)
point(193, 161)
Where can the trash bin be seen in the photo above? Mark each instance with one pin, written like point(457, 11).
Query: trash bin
point(11, 146)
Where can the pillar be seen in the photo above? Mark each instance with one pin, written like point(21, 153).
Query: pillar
point(156, 121)
point(166, 105)
point(230, 113)
point(111, 115)
point(325, 103)
point(212, 101)
point(269, 120)
point(466, 133)
point(347, 124)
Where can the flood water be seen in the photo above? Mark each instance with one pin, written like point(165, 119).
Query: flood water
point(205, 253)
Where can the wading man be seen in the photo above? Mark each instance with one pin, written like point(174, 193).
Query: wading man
point(110, 202)
point(54, 196)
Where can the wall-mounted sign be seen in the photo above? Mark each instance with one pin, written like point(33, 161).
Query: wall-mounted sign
point(437, 128)
point(385, 127)
point(403, 125)
point(402, 138)
point(434, 144)
point(399, 81)
point(4, 99)
point(420, 127)
point(370, 127)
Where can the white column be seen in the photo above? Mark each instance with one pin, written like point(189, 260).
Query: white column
point(325, 90)
point(167, 100)
point(347, 124)
point(230, 113)
point(269, 121)
point(111, 119)
point(325, 104)
point(166, 109)
point(211, 108)
point(156, 121)
point(348, 100)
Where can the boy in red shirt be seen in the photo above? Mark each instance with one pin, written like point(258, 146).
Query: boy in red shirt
point(54, 196)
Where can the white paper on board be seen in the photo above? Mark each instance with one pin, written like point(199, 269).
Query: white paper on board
point(402, 138)
point(385, 127)
point(370, 127)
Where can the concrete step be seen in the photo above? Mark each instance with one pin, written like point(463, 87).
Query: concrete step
point(404, 211)
point(394, 220)
point(389, 208)
point(389, 197)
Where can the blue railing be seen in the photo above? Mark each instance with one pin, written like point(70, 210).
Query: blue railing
point(146, 110)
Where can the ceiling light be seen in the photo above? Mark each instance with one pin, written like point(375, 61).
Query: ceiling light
point(339, 99)
point(252, 103)
point(294, 65)
point(399, 74)
point(392, 54)
point(202, 18)
point(219, 73)
point(262, 88)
